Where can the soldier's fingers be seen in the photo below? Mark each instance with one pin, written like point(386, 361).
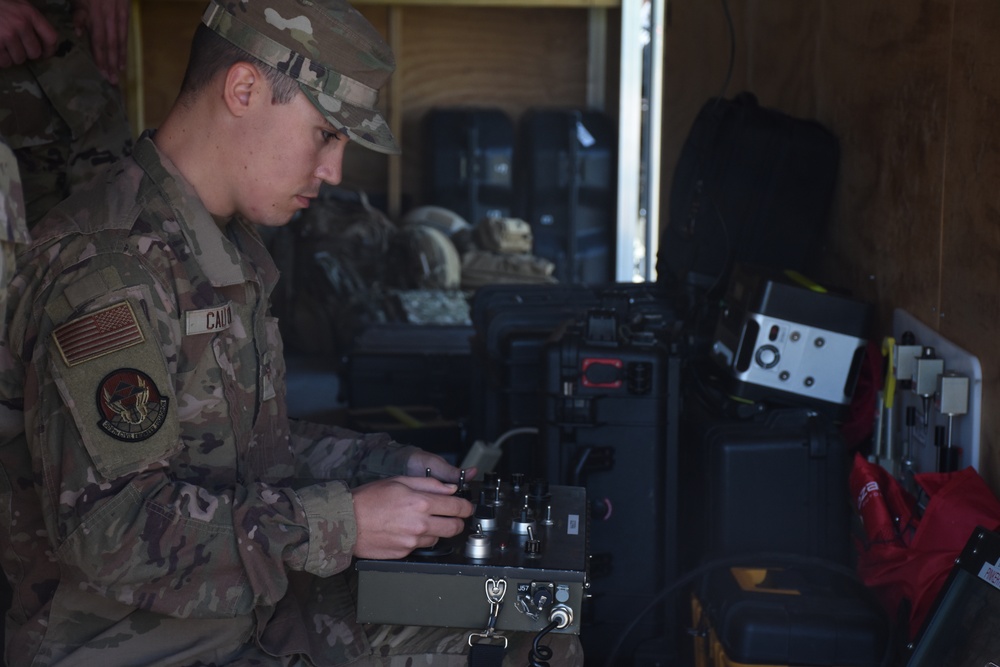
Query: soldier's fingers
point(427, 485)
point(121, 29)
point(33, 48)
point(449, 506)
point(99, 42)
point(15, 51)
point(44, 33)
point(443, 526)
point(110, 36)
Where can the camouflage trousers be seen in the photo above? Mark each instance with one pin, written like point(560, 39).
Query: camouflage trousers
point(413, 646)
point(408, 646)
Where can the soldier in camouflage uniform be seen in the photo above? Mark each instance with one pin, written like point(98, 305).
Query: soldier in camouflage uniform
point(157, 506)
point(62, 111)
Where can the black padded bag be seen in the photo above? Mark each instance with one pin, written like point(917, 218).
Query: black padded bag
point(753, 185)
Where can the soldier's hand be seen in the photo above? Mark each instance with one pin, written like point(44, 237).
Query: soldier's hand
point(400, 514)
point(420, 461)
point(24, 34)
point(107, 23)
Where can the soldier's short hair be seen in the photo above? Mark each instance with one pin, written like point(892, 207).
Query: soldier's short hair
point(210, 54)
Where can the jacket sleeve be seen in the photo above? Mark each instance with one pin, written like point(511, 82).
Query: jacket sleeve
point(331, 452)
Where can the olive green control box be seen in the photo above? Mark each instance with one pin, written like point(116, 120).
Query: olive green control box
point(523, 556)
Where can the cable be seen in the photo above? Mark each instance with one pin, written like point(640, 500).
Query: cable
point(512, 432)
point(541, 653)
point(732, 49)
point(746, 560)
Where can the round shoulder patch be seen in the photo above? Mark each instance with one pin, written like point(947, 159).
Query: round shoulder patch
point(131, 405)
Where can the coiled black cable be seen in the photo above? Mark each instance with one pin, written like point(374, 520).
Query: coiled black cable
point(541, 653)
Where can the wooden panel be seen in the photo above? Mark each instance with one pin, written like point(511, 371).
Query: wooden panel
point(167, 29)
point(882, 87)
point(970, 220)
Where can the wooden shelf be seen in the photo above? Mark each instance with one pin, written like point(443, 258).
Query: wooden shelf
point(493, 3)
point(605, 4)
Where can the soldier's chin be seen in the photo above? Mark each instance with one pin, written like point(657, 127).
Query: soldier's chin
point(275, 220)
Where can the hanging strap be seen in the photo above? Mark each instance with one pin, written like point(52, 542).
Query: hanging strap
point(487, 648)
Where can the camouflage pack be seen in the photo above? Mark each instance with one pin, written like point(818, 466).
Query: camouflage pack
point(334, 271)
point(482, 267)
point(504, 235)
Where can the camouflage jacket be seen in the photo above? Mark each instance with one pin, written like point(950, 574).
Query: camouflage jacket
point(155, 500)
point(64, 120)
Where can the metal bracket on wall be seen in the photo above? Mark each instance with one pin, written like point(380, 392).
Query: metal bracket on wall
point(929, 415)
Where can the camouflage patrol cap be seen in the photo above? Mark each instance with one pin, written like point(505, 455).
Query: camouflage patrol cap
point(338, 58)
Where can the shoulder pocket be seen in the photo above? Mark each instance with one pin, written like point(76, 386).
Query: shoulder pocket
point(111, 374)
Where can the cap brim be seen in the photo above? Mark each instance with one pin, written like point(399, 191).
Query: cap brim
point(365, 126)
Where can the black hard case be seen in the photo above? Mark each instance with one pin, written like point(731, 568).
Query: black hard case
point(511, 326)
point(469, 162)
point(406, 364)
point(963, 627)
point(752, 184)
point(611, 418)
point(787, 616)
point(774, 483)
point(567, 176)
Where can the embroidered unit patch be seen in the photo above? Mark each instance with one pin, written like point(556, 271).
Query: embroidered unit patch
point(130, 404)
point(97, 334)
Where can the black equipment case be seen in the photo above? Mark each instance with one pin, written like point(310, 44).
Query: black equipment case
point(786, 616)
point(611, 419)
point(567, 175)
point(752, 184)
point(469, 161)
point(773, 483)
point(512, 324)
point(963, 627)
point(407, 364)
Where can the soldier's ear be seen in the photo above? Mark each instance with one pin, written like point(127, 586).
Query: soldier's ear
point(242, 81)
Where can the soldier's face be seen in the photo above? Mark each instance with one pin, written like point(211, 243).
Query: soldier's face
point(293, 151)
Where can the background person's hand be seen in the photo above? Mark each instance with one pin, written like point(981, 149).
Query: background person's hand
point(24, 34)
point(400, 514)
point(107, 23)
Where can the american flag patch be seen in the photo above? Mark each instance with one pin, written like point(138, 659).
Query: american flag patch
point(97, 334)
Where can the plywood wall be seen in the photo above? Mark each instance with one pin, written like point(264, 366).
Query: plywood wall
point(912, 92)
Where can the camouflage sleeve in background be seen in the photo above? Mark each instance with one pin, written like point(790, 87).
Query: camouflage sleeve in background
point(65, 122)
point(12, 218)
point(13, 227)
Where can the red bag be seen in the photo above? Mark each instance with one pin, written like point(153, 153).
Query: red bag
point(907, 556)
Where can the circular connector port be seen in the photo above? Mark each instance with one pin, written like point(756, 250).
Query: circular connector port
point(561, 615)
